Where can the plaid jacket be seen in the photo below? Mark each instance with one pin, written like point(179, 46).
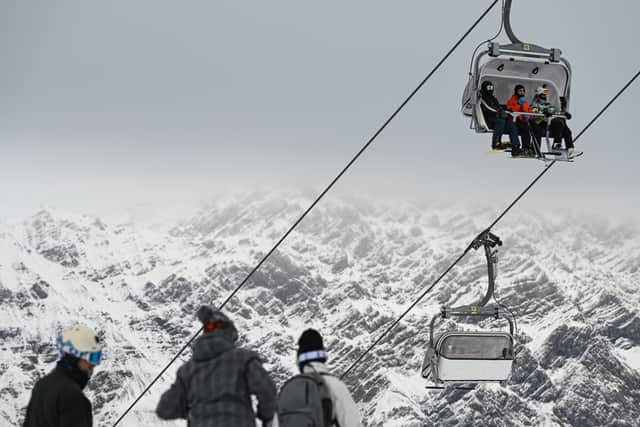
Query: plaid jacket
point(214, 388)
point(541, 107)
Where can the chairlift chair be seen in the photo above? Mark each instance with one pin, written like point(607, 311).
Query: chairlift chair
point(463, 357)
point(507, 65)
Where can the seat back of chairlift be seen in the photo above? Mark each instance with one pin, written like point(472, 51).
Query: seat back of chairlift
point(505, 74)
point(470, 357)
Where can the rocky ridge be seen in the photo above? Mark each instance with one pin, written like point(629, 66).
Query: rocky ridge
point(349, 270)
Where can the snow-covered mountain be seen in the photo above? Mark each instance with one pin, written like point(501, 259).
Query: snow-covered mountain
point(348, 270)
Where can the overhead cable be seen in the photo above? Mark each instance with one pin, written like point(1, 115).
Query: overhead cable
point(315, 202)
point(520, 196)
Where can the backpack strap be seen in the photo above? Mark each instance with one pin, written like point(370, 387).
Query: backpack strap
point(334, 420)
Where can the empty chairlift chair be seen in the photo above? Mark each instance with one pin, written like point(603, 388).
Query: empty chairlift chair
point(455, 357)
point(463, 357)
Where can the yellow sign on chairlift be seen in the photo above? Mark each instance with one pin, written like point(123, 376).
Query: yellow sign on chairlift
point(526, 47)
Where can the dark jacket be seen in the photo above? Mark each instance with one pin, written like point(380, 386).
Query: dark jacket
point(57, 399)
point(214, 388)
point(491, 107)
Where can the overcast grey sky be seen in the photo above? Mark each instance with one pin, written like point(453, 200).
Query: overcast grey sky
point(107, 104)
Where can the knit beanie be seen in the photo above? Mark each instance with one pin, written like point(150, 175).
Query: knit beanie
point(310, 348)
point(517, 88)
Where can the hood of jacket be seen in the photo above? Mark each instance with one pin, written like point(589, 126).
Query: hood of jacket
point(485, 93)
point(211, 345)
point(484, 88)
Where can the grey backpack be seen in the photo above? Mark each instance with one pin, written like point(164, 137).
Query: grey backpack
point(304, 401)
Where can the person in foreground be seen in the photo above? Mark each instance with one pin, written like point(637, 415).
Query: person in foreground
point(57, 398)
point(214, 388)
point(315, 397)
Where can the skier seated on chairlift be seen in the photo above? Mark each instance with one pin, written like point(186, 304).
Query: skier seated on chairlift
point(518, 104)
point(557, 127)
point(497, 119)
point(563, 131)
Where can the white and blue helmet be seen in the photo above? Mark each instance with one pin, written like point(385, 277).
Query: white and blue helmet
point(80, 341)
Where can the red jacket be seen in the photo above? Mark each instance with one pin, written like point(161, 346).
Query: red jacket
point(512, 105)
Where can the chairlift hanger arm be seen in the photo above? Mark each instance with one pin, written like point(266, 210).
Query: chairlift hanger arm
point(518, 47)
point(489, 241)
point(506, 21)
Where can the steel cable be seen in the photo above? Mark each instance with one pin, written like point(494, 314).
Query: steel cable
point(535, 180)
point(315, 202)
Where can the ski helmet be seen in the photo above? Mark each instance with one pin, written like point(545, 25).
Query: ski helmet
point(487, 87)
point(541, 90)
point(80, 341)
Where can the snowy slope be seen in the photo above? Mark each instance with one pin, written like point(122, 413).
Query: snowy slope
point(349, 270)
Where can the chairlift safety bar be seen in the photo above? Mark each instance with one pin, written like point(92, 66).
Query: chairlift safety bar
point(515, 114)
